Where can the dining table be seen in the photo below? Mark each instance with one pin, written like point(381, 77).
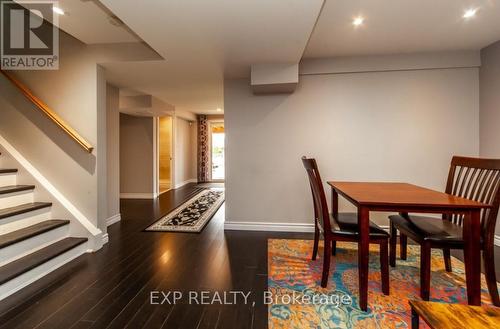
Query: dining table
point(405, 198)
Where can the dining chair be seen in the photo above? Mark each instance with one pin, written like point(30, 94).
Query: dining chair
point(472, 178)
point(342, 228)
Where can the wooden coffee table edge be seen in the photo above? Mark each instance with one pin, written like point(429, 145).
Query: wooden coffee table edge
point(419, 310)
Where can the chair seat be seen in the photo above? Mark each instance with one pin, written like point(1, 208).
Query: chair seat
point(434, 230)
point(347, 225)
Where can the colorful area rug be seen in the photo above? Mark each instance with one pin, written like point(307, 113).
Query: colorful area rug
point(192, 215)
point(292, 274)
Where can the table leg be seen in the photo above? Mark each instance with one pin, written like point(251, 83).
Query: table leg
point(472, 256)
point(335, 203)
point(414, 319)
point(363, 245)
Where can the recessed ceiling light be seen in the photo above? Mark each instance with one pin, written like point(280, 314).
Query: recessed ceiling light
point(357, 21)
point(58, 10)
point(219, 109)
point(469, 13)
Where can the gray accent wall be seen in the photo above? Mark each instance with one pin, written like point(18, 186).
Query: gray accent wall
point(402, 125)
point(136, 154)
point(489, 76)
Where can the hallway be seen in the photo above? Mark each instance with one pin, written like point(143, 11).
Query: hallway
point(111, 288)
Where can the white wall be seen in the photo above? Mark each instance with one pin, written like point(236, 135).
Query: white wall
point(376, 126)
point(113, 151)
point(490, 104)
point(72, 92)
point(77, 93)
point(184, 155)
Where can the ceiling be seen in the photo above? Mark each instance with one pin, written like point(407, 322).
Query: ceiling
point(403, 26)
point(90, 22)
point(204, 42)
point(199, 92)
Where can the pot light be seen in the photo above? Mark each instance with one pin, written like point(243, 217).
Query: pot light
point(470, 13)
point(357, 21)
point(219, 109)
point(58, 10)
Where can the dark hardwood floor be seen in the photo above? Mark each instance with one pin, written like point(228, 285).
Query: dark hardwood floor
point(111, 288)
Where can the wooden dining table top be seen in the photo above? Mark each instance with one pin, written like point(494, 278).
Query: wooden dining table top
point(400, 194)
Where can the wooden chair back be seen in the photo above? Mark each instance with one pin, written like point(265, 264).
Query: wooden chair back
point(479, 180)
point(321, 215)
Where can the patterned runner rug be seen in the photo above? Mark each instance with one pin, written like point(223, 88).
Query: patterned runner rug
point(292, 273)
point(193, 214)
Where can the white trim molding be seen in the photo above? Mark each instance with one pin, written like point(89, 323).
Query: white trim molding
point(288, 227)
point(113, 219)
point(271, 227)
point(181, 184)
point(388, 63)
point(105, 238)
point(137, 196)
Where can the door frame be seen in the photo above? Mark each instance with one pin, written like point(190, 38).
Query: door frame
point(210, 123)
point(156, 179)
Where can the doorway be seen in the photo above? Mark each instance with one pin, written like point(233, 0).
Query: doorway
point(217, 151)
point(165, 128)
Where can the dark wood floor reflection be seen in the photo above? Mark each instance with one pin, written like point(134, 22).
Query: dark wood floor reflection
point(111, 288)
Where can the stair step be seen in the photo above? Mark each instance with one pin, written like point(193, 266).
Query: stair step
point(8, 171)
point(30, 231)
point(24, 208)
point(15, 188)
point(29, 262)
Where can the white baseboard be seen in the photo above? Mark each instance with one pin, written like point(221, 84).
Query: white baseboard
point(289, 227)
point(113, 219)
point(105, 238)
point(271, 227)
point(181, 184)
point(137, 196)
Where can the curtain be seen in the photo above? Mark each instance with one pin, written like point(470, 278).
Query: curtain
point(203, 159)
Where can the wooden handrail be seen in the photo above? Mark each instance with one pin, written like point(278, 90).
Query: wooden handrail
point(49, 113)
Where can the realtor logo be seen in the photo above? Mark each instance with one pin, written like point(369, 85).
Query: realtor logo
point(29, 35)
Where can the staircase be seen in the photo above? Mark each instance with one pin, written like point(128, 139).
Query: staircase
point(32, 243)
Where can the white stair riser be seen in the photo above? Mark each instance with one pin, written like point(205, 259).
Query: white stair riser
point(15, 199)
point(8, 179)
point(38, 272)
point(13, 223)
point(23, 248)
